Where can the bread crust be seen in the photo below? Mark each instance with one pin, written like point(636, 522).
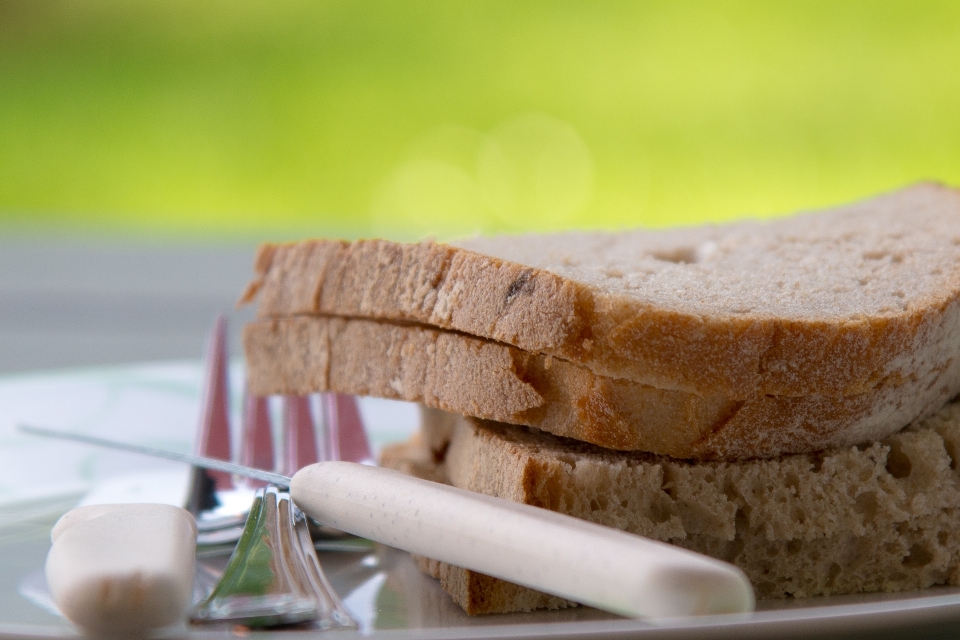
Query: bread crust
point(882, 517)
point(481, 378)
point(835, 303)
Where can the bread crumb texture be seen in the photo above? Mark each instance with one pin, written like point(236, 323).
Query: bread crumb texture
point(481, 378)
point(880, 517)
point(832, 303)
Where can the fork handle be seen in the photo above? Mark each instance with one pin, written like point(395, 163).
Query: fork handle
point(560, 555)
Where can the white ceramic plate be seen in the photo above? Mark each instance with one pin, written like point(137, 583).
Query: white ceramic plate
point(157, 404)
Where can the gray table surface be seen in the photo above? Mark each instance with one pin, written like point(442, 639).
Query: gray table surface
point(80, 302)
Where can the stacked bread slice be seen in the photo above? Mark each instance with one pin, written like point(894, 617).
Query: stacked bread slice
point(878, 517)
point(756, 340)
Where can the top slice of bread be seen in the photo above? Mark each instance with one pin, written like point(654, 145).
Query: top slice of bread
point(833, 303)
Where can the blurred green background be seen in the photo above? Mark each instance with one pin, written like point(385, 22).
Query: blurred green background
point(246, 118)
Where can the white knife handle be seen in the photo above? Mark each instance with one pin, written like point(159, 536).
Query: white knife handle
point(120, 569)
point(560, 555)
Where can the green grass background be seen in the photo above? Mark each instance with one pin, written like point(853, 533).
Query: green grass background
point(245, 118)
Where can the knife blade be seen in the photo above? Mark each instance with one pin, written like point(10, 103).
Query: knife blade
point(155, 452)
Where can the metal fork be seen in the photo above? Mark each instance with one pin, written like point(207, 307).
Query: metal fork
point(273, 575)
point(218, 502)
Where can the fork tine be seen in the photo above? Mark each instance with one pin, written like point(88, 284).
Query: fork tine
point(213, 437)
point(299, 434)
point(346, 436)
point(256, 440)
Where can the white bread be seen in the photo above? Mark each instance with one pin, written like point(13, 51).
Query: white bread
point(880, 517)
point(486, 379)
point(835, 303)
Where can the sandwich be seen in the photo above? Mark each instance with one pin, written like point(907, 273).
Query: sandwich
point(732, 387)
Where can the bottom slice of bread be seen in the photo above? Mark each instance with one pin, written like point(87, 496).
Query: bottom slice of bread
point(881, 517)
